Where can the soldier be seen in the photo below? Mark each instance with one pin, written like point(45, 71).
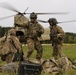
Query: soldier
point(56, 36)
point(35, 30)
point(10, 47)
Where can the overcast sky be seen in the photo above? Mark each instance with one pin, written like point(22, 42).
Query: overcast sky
point(43, 6)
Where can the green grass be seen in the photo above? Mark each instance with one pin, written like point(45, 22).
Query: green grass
point(69, 50)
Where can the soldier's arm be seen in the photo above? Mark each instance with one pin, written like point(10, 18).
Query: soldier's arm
point(60, 32)
point(41, 29)
point(2, 39)
point(17, 44)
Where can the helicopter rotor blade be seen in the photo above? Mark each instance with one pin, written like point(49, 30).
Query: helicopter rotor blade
point(22, 14)
point(57, 22)
point(42, 21)
point(55, 13)
point(26, 10)
point(13, 15)
point(8, 6)
point(67, 21)
point(7, 17)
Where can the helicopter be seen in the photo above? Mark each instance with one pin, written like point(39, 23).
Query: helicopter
point(21, 19)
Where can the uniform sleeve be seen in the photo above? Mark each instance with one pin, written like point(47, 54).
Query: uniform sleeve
point(17, 44)
point(2, 39)
point(60, 32)
point(41, 29)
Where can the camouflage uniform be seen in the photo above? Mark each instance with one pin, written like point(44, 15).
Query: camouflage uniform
point(10, 45)
point(56, 36)
point(34, 31)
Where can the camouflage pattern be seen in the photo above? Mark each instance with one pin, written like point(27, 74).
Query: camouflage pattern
point(57, 67)
point(50, 67)
point(34, 31)
point(74, 62)
point(64, 63)
point(57, 37)
point(10, 45)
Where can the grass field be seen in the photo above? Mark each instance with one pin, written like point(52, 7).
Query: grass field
point(69, 50)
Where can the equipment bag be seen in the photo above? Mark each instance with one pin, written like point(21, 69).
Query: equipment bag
point(29, 68)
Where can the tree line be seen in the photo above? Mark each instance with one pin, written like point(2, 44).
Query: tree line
point(69, 37)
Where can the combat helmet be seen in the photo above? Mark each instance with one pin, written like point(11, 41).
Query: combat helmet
point(53, 20)
point(33, 15)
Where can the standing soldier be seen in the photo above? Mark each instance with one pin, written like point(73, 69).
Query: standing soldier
point(35, 30)
point(56, 36)
point(10, 46)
